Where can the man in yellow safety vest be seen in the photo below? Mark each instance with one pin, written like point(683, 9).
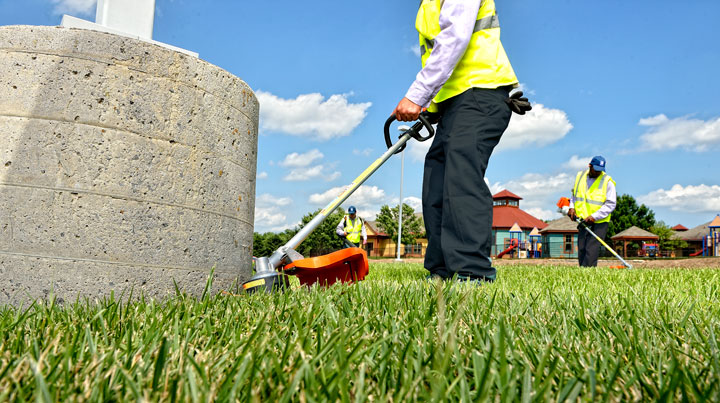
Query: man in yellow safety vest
point(466, 78)
point(593, 200)
point(351, 228)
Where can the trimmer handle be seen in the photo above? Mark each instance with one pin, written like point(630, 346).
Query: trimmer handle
point(414, 131)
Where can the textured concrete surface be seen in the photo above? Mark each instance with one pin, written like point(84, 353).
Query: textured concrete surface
point(122, 164)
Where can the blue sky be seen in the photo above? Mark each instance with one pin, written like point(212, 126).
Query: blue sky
point(634, 81)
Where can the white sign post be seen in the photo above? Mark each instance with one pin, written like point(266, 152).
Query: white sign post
point(135, 17)
point(130, 18)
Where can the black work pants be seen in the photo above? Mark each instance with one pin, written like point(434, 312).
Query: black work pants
point(457, 203)
point(588, 246)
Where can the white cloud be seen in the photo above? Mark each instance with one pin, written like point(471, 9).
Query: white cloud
point(361, 195)
point(690, 134)
point(262, 175)
point(414, 202)
point(296, 160)
point(654, 120)
point(267, 199)
point(415, 49)
point(533, 184)
point(309, 173)
point(537, 128)
point(332, 176)
point(577, 163)
point(311, 115)
point(541, 213)
point(364, 152)
point(526, 90)
point(693, 199)
point(367, 199)
point(86, 7)
point(416, 150)
point(269, 215)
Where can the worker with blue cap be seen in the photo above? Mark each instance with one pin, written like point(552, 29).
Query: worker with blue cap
point(351, 228)
point(593, 200)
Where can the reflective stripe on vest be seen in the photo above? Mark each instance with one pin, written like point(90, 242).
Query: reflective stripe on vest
point(589, 201)
point(484, 63)
point(491, 21)
point(353, 229)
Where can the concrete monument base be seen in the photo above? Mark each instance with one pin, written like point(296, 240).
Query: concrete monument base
point(122, 165)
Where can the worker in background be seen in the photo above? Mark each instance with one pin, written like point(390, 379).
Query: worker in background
point(351, 228)
point(593, 200)
point(466, 79)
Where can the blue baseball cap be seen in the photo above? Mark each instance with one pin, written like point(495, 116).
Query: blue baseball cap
point(598, 163)
point(351, 210)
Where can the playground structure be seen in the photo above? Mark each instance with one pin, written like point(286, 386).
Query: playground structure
point(511, 245)
point(535, 244)
point(531, 248)
point(700, 252)
point(711, 242)
point(708, 242)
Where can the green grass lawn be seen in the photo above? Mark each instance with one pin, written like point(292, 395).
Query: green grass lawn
point(538, 333)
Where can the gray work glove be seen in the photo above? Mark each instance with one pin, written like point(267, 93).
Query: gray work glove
point(518, 103)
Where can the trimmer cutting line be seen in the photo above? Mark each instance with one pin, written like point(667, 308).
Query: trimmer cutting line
point(564, 206)
point(347, 265)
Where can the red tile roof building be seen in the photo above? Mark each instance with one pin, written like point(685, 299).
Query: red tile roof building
point(506, 212)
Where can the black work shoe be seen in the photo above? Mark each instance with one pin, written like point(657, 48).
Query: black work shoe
point(475, 280)
point(434, 277)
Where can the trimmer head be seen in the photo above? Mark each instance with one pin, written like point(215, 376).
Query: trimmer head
point(269, 282)
point(346, 265)
point(266, 278)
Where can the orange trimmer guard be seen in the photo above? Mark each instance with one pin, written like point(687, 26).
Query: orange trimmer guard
point(347, 265)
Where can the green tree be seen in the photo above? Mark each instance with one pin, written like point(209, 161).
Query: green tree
point(265, 244)
point(666, 235)
point(412, 225)
point(627, 213)
point(323, 239)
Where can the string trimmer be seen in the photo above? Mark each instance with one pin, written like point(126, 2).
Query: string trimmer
point(564, 206)
point(346, 265)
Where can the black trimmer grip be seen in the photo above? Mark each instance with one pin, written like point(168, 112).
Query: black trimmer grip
point(414, 131)
point(425, 118)
point(388, 122)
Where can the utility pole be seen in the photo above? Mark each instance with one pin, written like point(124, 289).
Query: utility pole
point(401, 129)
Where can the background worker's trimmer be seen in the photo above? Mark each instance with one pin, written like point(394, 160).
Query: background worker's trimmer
point(564, 206)
point(346, 265)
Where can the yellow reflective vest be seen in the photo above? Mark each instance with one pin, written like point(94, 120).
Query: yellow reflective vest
point(484, 63)
point(353, 229)
point(588, 201)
